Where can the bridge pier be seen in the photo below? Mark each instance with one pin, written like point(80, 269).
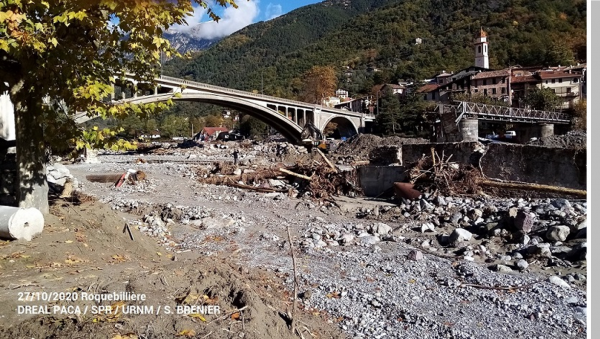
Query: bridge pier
point(469, 129)
point(546, 130)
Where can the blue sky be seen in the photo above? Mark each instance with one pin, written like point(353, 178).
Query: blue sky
point(233, 20)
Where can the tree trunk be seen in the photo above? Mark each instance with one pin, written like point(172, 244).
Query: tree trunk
point(31, 155)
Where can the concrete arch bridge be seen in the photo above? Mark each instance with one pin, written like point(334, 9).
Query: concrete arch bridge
point(286, 116)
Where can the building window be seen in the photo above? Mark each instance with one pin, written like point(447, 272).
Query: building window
point(494, 81)
point(485, 48)
point(475, 90)
point(575, 80)
point(503, 80)
point(484, 82)
point(479, 49)
point(503, 90)
point(568, 89)
point(553, 81)
point(493, 91)
point(425, 97)
point(546, 81)
point(560, 81)
point(485, 92)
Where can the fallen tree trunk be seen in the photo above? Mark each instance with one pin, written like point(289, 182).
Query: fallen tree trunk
point(327, 161)
point(104, 178)
point(535, 187)
point(20, 223)
point(258, 189)
point(283, 170)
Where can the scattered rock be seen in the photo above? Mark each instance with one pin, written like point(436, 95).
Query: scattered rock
point(460, 235)
point(427, 227)
point(346, 239)
point(522, 264)
point(524, 222)
point(503, 269)
point(369, 240)
point(558, 233)
point(380, 228)
point(559, 282)
point(415, 255)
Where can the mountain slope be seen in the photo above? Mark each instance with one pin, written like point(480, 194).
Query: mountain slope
point(365, 34)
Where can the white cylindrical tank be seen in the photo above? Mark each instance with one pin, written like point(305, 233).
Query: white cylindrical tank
point(20, 223)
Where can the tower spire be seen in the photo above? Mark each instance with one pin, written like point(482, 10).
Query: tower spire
point(481, 49)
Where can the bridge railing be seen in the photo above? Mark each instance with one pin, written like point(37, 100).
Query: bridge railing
point(511, 112)
point(259, 96)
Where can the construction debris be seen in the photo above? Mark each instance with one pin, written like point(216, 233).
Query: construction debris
point(313, 178)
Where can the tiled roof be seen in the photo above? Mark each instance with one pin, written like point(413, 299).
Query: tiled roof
point(555, 75)
point(522, 79)
point(428, 88)
point(213, 130)
point(492, 74)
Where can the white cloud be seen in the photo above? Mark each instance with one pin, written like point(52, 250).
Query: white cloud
point(232, 20)
point(273, 11)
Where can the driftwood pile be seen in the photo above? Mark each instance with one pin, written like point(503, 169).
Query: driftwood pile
point(439, 175)
point(318, 178)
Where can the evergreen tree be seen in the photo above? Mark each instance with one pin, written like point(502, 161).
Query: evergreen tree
point(390, 115)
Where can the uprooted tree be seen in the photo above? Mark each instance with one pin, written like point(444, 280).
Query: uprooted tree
point(71, 51)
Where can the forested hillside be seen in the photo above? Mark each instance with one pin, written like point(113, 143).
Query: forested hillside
point(368, 34)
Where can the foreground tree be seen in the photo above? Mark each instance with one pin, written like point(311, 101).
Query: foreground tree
point(71, 51)
point(543, 99)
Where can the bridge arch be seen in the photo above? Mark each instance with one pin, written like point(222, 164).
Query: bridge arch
point(281, 123)
point(345, 126)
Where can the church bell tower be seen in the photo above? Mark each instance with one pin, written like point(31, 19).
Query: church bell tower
point(481, 50)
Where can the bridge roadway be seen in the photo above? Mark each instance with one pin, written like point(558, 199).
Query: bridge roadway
point(285, 115)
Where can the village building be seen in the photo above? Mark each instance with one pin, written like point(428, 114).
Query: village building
point(209, 133)
point(493, 84)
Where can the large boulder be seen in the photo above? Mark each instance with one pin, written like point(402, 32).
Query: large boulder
point(524, 221)
point(558, 233)
point(460, 235)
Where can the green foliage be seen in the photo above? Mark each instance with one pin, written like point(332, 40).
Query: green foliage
point(390, 116)
point(253, 128)
point(175, 126)
point(73, 51)
point(381, 34)
point(543, 99)
point(403, 115)
point(96, 138)
point(579, 113)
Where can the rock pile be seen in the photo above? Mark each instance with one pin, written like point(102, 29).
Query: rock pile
point(60, 179)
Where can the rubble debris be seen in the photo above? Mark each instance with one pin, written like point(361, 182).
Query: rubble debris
point(332, 166)
point(573, 139)
point(61, 182)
